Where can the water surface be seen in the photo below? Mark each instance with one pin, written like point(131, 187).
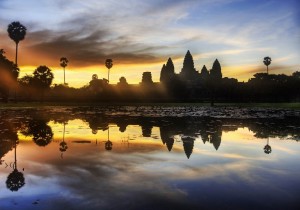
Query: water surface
point(149, 158)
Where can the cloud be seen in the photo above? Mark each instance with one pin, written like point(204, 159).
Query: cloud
point(89, 37)
point(148, 32)
point(92, 49)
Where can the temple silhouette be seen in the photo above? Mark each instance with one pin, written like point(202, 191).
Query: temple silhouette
point(189, 85)
point(188, 74)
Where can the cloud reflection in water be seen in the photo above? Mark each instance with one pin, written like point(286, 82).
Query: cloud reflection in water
point(141, 171)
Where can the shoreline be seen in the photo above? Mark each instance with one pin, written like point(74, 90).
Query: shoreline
point(291, 105)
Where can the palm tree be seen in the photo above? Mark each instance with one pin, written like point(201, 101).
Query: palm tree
point(267, 62)
point(15, 179)
point(267, 148)
point(63, 145)
point(108, 143)
point(108, 64)
point(16, 32)
point(63, 63)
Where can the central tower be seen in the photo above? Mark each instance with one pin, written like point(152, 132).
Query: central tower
point(188, 71)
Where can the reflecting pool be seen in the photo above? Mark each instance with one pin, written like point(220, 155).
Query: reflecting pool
point(108, 158)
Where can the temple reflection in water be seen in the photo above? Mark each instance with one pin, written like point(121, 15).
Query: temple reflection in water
point(83, 155)
point(36, 125)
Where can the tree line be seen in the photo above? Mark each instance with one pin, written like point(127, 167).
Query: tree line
point(187, 86)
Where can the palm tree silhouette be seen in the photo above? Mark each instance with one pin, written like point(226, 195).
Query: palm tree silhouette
point(267, 148)
point(16, 32)
point(15, 179)
point(267, 62)
point(108, 143)
point(108, 64)
point(63, 63)
point(63, 145)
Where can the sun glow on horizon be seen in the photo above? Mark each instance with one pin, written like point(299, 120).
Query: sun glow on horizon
point(141, 41)
point(80, 76)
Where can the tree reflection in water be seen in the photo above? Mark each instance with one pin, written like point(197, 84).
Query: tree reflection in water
point(15, 179)
point(108, 143)
point(34, 123)
point(63, 145)
point(42, 133)
point(267, 148)
point(39, 130)
point(8, 141)
point(183, 137)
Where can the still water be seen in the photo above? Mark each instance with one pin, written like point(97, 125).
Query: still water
point(71, 158)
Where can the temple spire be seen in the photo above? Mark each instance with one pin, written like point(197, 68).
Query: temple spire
point(188, 71)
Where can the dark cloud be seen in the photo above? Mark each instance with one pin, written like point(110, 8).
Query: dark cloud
point(91, 37)
point(91, 49)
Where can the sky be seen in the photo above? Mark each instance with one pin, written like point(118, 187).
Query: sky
point(141, 35)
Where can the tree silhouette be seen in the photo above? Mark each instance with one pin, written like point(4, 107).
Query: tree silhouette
point(122, 81)
point(9, 73)
point(267, 148)
point(8, 134)
point(63, 63)
point(63, 145)
point(267, 62)
point(108, 143)
point(42, 79)
point(15, 179)
point(296, 74)
point(96, 85)
point(16, 32)
point(109, 65)
point(41, 132)
point(97, 123)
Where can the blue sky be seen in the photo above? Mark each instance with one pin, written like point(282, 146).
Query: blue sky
point(141, 35)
